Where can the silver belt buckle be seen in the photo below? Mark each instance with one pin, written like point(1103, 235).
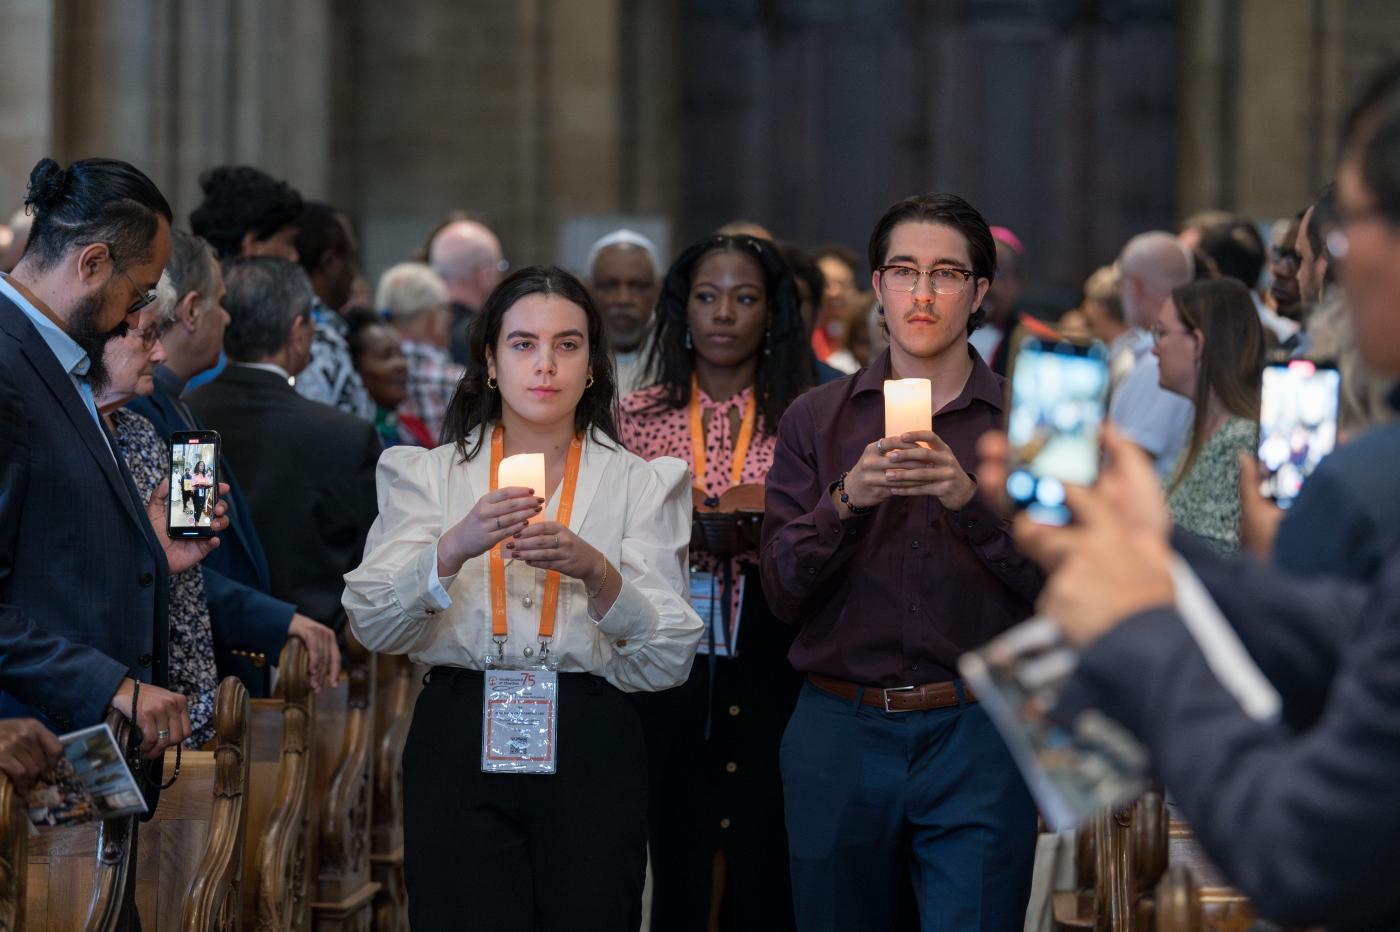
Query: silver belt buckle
point(885, 695)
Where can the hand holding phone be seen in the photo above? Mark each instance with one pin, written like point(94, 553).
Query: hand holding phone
point(194, 484)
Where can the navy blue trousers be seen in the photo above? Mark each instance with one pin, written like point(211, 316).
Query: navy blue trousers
point(873, 797)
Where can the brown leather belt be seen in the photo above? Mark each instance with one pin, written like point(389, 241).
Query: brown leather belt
point(898, 698)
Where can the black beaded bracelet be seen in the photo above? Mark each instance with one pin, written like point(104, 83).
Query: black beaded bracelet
point(846, 499)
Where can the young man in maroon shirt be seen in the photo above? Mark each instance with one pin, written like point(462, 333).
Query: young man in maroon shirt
point(881, 551)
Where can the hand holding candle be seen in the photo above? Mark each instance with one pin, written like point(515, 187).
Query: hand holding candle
point(526, 471)
point(908, 406)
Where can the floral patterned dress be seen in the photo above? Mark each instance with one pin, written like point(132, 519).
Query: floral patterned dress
point(1206, 502)
point(192, 670)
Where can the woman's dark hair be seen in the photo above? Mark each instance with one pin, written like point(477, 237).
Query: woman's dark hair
point(92, 201)
point(357, 321)
point(1232, 357)
point(240, 199)
point(475, 406)
point(199, 468)
point(948, 210)
point(784, 368)
point(804, 269)
point(321, 230)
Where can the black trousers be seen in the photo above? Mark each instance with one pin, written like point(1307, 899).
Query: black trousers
point(527, 852)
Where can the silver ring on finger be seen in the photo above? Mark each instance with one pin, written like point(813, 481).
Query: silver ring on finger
point(556, 541)
point(880, 447)
point(163, 735)
point(498, 522)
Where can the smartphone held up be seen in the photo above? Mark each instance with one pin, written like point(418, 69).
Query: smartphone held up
point(1058, 393)
point(194, 483)
point(1297, 425)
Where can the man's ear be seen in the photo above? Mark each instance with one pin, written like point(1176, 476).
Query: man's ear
point(90, 262)
point(187, 311)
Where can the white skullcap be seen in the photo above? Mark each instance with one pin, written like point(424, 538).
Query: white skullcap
point(624, 238)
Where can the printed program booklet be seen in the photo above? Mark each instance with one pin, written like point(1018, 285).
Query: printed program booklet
point(1079, 762)
point(91, 781)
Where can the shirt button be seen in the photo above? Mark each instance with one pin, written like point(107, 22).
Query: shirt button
point(915, 545)
point(622, 642)
point(431, 611)
point(851, 532)
point(145, 579)
point(811, 571)
point(144, 660)
point(734, 710)
point(913, 608)
point(1004, 565)
point(731, 767)
point(724, 823)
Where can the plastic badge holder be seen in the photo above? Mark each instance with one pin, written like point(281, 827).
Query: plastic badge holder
point(520, 721)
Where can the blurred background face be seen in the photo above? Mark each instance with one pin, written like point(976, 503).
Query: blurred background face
point(382, 366)
point(840, 288)
point(1283, 267)
point(1372, 271)
point(281, 244)
point(211, 320)
point(1007, 287)
point(131, 360)
point(1178, 352)
point(625, 288)
point(540, 361)
point(1098, 320)
point(727, 310)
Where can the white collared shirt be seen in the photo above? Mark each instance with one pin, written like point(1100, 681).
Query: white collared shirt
point(637, 513)
point(268, 367)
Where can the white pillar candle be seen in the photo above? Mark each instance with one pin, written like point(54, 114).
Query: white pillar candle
point(526, 471)
point(908, 406)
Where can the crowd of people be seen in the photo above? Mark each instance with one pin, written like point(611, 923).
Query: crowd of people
point(753, 601)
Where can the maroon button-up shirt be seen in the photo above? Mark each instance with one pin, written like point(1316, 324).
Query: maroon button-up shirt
point(894, 596)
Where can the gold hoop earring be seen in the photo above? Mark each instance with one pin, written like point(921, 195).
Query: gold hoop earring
point(490, 382)
point(589, 384)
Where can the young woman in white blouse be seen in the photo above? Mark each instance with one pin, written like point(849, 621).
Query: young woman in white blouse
point(457, 576)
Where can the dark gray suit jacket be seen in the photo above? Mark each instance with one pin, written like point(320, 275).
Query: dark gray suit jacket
point(307, 470)
point(1302, 814)
point(83, 580)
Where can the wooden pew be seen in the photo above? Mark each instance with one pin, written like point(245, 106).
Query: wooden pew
point(189, 855)
point(399, 682)
point(343, 888)
point(14, 852)
point(276, 890)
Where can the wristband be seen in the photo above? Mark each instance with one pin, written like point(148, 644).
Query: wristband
point(846, 499)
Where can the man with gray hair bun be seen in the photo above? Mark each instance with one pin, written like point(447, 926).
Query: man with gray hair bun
point(306, 468)
point(1149, 267)
point(414, 299)
point(624, 276)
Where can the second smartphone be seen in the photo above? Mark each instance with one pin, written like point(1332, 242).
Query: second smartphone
point(194, 483)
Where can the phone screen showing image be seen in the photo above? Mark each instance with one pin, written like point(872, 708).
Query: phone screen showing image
point(1297, 425)
point(194, 483)
point(1057, 410)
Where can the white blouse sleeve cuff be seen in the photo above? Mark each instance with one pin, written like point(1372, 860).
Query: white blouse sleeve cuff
point(631, 621)
point(418, 589)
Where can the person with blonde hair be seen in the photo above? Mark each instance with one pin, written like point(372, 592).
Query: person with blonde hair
point(414, 298)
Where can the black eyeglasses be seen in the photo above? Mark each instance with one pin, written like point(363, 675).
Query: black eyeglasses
point(144, 299)
point(1282, 255)
point(943, 279)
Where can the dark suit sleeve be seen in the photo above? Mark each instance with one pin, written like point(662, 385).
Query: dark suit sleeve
point(1294, 629)
point(1304, 822)
point(1327, 532)
point(244, 618)
point(44, 671)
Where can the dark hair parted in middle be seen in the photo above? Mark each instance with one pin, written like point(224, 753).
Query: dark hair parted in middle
point(784, 368)
point(947, 210)
point(475, 406)
point(264, 296)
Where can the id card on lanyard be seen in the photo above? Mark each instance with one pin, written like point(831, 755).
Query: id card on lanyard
point(520, 702)
point(711, 593)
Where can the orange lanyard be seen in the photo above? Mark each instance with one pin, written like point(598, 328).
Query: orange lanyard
point(697, 438)
point(550, 605)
